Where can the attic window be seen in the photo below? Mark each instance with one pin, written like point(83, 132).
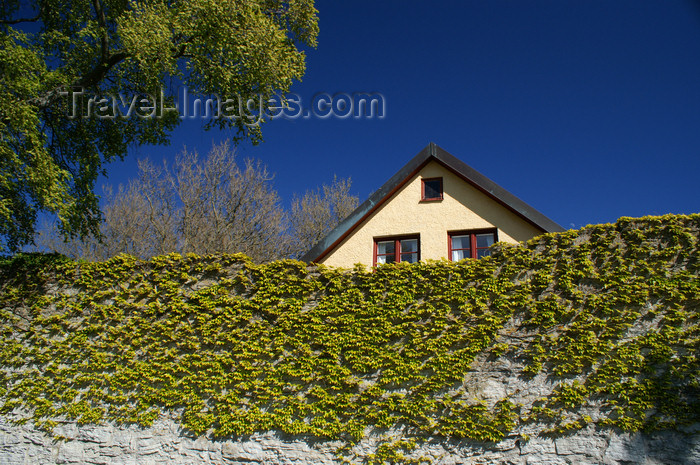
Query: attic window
point(431, 189)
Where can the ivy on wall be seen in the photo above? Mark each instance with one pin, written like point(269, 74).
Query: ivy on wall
point(608, 313)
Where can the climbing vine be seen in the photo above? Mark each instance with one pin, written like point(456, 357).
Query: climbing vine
point(608, 313)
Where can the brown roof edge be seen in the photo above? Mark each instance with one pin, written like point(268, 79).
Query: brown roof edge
point(430, 152)
point(496, 192)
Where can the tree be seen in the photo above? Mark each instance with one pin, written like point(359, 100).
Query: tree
point(207, 205)
point(200, 205)
point(315, 214)
point(60, 58)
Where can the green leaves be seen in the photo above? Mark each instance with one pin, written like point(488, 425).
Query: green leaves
point(55, 134)
point(239, 348)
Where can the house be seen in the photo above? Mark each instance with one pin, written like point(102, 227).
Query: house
point(434, 207)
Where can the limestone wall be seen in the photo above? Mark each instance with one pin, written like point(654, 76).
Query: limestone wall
point(164, 444)
point(549, 351)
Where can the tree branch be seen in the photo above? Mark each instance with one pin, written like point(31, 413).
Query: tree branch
point(180, 49)
point(101, 70)
point(93, 77)
point(102, 21)
point(22, 20)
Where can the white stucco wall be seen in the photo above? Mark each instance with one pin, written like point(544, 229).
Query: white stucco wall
point(463, 207)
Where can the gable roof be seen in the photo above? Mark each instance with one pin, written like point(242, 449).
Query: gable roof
point(431, 152)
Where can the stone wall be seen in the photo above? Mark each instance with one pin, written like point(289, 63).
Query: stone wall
point(534, 349)
point(165, 444)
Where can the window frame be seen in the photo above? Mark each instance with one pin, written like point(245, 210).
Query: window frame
point(472, 233)
point(423, 198)
point(397, 247)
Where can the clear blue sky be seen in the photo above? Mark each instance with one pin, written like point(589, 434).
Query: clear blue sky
point(586, 109)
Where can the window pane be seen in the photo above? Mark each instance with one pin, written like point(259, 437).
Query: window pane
point(484, 240)
point(388, 259)
point(460, 254)
point(460, 242)
point(432, 189)
point(482, 253)
point(381, 259)
point(409, 245)
point(409, 257)
point(385, 247)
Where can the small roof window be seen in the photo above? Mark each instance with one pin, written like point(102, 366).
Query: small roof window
point(431, 189)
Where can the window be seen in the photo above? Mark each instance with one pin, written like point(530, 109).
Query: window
point(471, 244)
point(431, 189)
point(396, 249)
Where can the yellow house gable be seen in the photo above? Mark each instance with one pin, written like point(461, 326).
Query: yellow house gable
point(463, 208)
point(406, 219)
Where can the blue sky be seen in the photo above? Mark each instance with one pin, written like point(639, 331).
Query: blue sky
point(588, 110)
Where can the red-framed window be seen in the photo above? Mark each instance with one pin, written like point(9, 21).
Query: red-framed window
point(471, 244)
point(396, 249)
point(431, 189)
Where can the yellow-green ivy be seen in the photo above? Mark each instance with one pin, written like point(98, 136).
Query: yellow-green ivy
point(609, 313)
